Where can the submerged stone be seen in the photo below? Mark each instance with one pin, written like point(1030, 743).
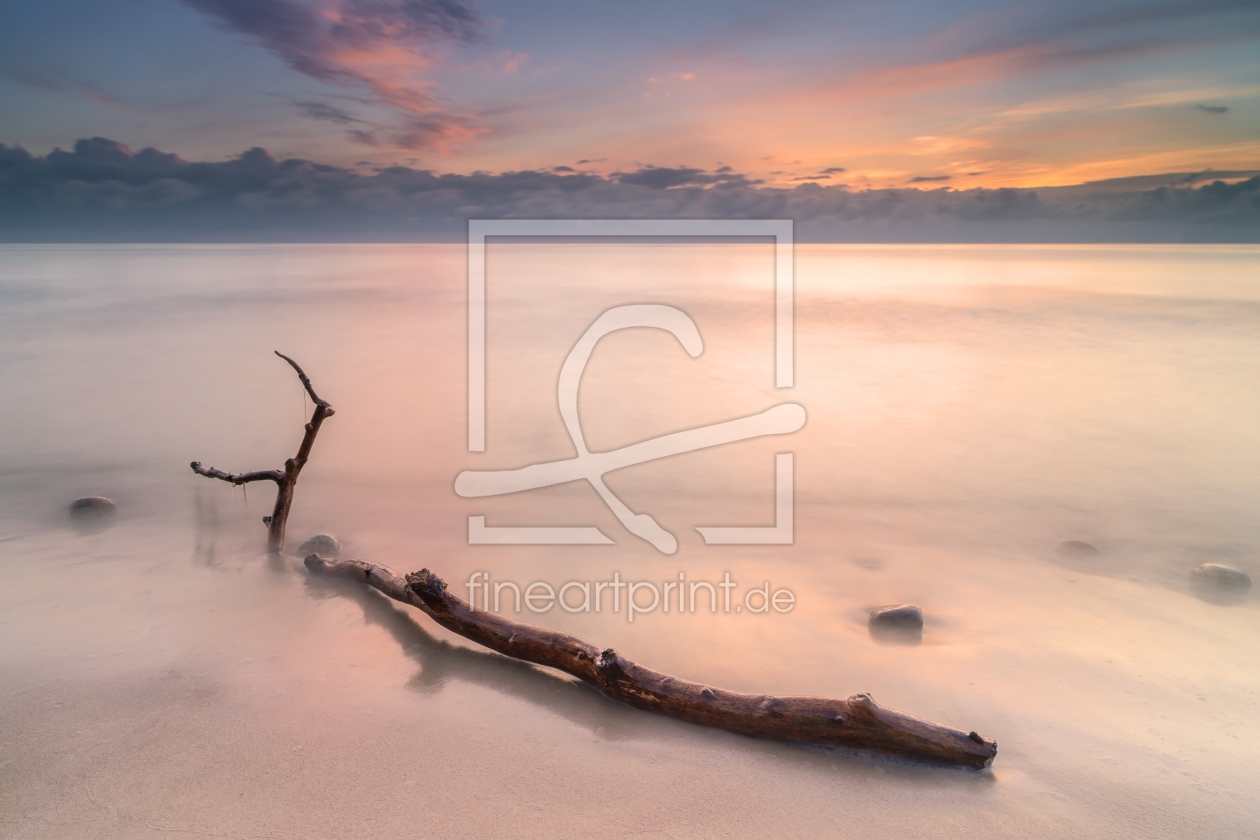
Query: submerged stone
point(899, 624)
point(92, 506)
point(898, 617)
point(324, 545)
point(1221, 576)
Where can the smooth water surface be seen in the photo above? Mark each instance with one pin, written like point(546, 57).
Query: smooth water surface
point(969, 409)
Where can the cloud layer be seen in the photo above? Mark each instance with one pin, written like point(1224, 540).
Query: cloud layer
point(103, 191)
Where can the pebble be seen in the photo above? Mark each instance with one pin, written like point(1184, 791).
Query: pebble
point(1221, 576)
point(93, 506)
point(324, 545)
point(1077, 548)
point(899, 617)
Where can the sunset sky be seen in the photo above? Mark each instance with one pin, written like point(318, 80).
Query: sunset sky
point(871, 94)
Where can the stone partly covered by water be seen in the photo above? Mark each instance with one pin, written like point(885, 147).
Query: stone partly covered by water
point(899, 617)
point(1221, 577)
point(93, 507)
point(324, 545)
point(1077, 548)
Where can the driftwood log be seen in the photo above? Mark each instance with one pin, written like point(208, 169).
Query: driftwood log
point(287, 478)
point(858, 722)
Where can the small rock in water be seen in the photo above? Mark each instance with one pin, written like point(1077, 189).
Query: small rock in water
point(324, 545)
point(899, 617)
point(1077, 548)
point(90, 507)
point(900, 624)
point(1221, 576)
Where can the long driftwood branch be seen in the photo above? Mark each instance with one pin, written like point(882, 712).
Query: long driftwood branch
point(285, 479)
point(857, 722)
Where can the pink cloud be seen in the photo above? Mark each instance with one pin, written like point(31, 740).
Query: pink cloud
point(380, 47)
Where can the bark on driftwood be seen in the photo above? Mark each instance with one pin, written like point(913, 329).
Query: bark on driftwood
point(857, 722)
point(285, 479)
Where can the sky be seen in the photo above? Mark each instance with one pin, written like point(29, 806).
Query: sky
point(760, 97)
point(984, 93)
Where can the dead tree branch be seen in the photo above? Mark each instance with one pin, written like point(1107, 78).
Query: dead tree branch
point(285, 479)
point(243, 478)
point(856, 722)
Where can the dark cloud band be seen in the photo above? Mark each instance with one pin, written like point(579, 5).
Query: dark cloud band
point(102, 191)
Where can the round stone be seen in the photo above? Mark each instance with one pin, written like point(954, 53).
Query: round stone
point(898, 617)
point(1221, 577)
point(324, 545)
point(93, 506)
point(1077, 548)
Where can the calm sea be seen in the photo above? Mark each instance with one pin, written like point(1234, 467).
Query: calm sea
point(969, 409)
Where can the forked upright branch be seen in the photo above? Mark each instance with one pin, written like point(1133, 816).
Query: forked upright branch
point(285, 479)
